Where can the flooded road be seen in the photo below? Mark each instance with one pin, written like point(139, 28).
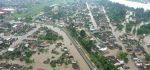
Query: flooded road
point(117, 34)
point(91, 15)
point(38, 59)
point(73, 51)
point(21, 38)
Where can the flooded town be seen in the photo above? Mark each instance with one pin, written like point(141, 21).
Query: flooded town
point(74, 35)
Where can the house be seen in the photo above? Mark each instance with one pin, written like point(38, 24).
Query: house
point(101, 48)
point(138, 62)
point(1, 12)
point(9, 10)
point(11, 49)
point(116, 61)
point(65, 49)
point(27, 45)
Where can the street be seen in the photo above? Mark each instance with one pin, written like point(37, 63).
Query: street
point(92, 18)
point(21, 38)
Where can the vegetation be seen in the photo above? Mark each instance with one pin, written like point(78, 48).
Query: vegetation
point(120, 27)
point(72, 30)
point(130, 25)
point(53, 64)
point(32, 9)
point(82, 33)
point(148, 67)
point(116, 12)
point(102, 62)
point(145, 29)
point(28, 60)
point(51, 36)
point(147, 57)
point(28, 19)
point(1, 16)
point(87, 43)
point(99, 60)
point(141, 15)
point(123, 56)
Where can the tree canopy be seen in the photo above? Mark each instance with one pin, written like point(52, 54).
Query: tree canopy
point(82, 33)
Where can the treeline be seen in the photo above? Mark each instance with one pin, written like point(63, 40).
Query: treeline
point(130, 25)
point(99, 60)
point(117, 12)
point(50, 36)
point(145, 29)
point(102, 62)
point(141, 15)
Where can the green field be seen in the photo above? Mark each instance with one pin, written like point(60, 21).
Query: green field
point(35, 9)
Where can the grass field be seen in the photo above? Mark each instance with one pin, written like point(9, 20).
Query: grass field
point(35, 9)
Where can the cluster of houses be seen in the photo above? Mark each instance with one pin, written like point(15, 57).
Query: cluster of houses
point(6, 66)
point(5, 43)
point(131, 43)
point(6, 10)
point(135, 49)
point(14, 27)
point(66, 56)
point(108, 39)
point(117, 62)
point(98, 14)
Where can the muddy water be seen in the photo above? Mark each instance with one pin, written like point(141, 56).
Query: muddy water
point(40, 58)
point(72, 49)
point(147, 40)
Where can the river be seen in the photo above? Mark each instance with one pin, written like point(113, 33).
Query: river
point(133, 4)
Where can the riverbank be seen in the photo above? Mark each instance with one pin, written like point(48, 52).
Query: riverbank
point(132, 4)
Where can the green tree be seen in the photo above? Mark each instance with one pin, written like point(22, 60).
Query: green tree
point(148, 67)
point(82, 33)
point(145, 29)
point(123, 56)
point(1, 17)
point(28, 19)
point(28, 60)
point(147, 57)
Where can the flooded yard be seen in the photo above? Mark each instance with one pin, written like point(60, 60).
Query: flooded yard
point(72, 49)
point(39, 57)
